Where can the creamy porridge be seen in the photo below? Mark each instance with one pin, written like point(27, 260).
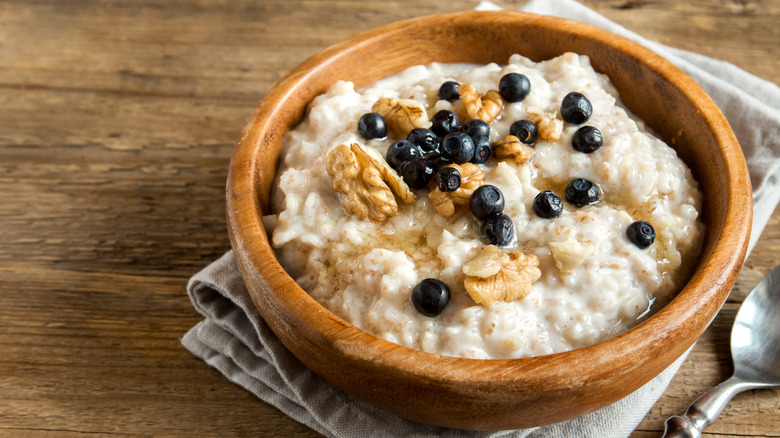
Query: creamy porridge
point(573, 230)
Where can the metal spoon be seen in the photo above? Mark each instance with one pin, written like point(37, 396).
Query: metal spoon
point(755, 350)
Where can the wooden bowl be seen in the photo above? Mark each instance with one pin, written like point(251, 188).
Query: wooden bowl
point(493, 394)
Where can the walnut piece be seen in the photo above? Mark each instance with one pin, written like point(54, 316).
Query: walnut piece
point(485, 108)
point(401, 115)
point(366, 181)
point(471, 177)
point(549, 126)
point(511, 282)
point(569, 254)
point(511, 147)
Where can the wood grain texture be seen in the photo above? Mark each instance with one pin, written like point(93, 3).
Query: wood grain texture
point(117, 120)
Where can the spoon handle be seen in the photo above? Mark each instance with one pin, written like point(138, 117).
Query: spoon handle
point(705, 409)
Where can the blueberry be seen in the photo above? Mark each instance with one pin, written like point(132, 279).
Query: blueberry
point(401, 152)
point(449, 91)
point(524, 130)
point(587, 139)
point(458, 147)
point(372, 125)
point(425, 139)
point(641, 234)
point(444, 122)
point(498, 229)
point(430, 297)
point(482, 149)
point(417, 172)
point(581, 192)
point(448, 179)
point(576, 108)
point(486, 201)
point(475, 128)
point(547, 205)
point(514, 87)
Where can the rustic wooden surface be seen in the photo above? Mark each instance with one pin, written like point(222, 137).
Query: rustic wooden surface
point(117, 120)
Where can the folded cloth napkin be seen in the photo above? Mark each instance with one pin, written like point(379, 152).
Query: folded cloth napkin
point(234, 339)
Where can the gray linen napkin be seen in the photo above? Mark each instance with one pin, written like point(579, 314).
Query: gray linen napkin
point(234, 339)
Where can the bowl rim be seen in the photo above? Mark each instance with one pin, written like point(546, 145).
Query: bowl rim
point(711, 280)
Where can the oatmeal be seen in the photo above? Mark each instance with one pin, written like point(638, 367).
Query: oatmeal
point(493, 211)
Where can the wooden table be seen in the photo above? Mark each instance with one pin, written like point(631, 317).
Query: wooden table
point(117, 121)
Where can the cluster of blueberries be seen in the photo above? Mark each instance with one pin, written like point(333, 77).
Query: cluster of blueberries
point(424, 151)
point(423, 154)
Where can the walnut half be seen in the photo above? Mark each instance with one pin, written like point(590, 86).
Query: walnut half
point(495, 275)
point(471, 177)
point(511, 147)
point(401, 115)
point(366, 181)
point(550, 126)
point(485, 108)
